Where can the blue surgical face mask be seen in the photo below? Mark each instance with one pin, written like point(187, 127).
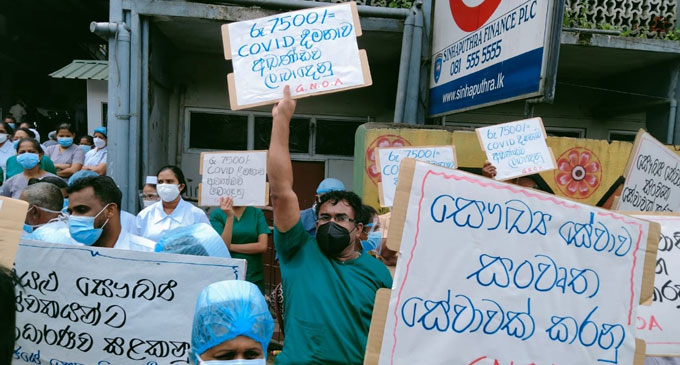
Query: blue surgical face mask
point(233, 362)
point(28, 228)
point(13, 125)
point(85, 148)
point(373, 241)
point(82, 228)
point(65, 142)
point(65, 204)
point(15, 144)
point(28, 160)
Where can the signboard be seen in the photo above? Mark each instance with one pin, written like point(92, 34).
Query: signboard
point(517, 148)
point(313, 50)
point(492, 52)
point(652, 177)
point(12, 217)
point(241, 175)
point(658, 324)
point(389, 160)
point(87, 305)
point(492, 273)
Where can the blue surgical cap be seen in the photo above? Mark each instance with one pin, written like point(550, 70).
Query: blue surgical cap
point(330, 184)
point(80, 175)
point(101, 130)
point(227, 309)
point(193, 240)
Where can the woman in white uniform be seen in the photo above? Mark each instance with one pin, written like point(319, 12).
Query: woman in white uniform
point(172, 211)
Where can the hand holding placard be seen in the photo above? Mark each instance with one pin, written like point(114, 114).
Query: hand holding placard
point(313, 50)
point(240, 175)
point(517, 148)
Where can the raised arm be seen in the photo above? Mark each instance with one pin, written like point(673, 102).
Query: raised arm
point(279, 167)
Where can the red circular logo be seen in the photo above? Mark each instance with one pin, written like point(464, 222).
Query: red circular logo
point(470, 19)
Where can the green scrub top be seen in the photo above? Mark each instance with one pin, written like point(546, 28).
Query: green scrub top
point(246, 230)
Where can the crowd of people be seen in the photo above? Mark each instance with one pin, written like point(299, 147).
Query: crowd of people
point(333, 255)
point(333, 247)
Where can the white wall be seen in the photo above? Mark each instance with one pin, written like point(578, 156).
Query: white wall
point(97, 94)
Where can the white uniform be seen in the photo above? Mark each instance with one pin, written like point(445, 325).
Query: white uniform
point(6, 151)
point(95, 156)
point(153, 223)
point(127, 241)
point(128, 222)
point(54, 232)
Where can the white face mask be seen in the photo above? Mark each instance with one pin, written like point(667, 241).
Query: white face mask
point(3, 137)
point(167, 192)
point(147, 202)
point(232, 362)
point(99, 142)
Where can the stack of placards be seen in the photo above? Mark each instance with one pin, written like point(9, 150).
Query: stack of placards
point(313, 50)
point(241, 175)
point(88, 305)
point(652, 177)
point(493, 273)
point(517, 148)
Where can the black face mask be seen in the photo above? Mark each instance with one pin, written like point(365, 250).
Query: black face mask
point(332, 239)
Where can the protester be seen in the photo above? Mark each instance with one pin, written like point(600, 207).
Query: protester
point(95, 159)
point(13, 166)
point(67, 157)
point(51, 140)
point(149, 194)
point(8, 310)
point(86, 143)
point(94, 208)
point(18, 110)
point(308, 216)
point(371, 235)
point(29, 153)
point(30, 126)
point(6, 147)
point(45, 203)
point(56, 181)
point(231, 322)
point(329, 287)
point(9, 119)
point(246, 234)
point(127, 220)
point(197, 239)
point(532, 181)
point(172, 211)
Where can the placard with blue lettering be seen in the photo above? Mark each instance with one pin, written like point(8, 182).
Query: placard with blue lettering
point(389, 160)
point(488, 52)
point(313, 50)
point(493, 273)
point(241, 175)
point(658, 323)
point(652, 177)
point(517, 148)
point(104, 306)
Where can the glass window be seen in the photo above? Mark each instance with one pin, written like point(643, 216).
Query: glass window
point(299, 134)
point(565, 132)
point(334, 137)
point(626, 136)
point(218, 131)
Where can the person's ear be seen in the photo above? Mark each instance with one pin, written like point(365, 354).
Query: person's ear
point(181, 188)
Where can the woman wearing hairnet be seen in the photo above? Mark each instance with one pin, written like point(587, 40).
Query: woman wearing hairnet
point(232, 325)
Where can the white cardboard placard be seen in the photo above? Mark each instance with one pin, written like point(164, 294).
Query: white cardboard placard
point(517, 148)
point(313, 50)
point(89, 305)
point(493, 273)
point(652, 177)
point(658, 323)
point(389, 160)
point(241, 175)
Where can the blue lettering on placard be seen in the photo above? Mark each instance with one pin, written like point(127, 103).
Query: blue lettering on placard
point(514, 215)
point(541, 274)
point(596, 236)
point(461, 315)
point(607, 336)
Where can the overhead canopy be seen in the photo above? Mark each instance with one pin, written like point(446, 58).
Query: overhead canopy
point(83, 70)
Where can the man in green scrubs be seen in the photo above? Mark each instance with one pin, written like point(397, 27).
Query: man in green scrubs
point(329, 288)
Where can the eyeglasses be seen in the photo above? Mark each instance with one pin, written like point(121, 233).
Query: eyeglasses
point(338, 218)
